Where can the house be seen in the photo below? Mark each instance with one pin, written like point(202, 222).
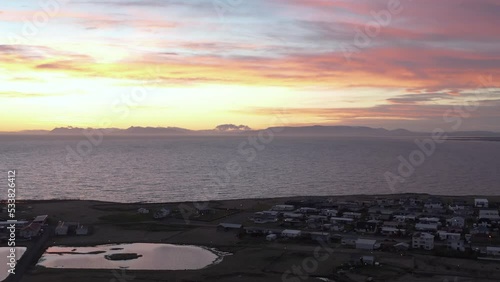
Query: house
point(283, 208)
point(368, 260)
point(293, 215)
point(32, 230)
point(429, 220)
point(443, 235)
point(341, 220)
point(493, 251)
point(354, 215)
point(271, 237)
point(162, 213)
point(365, 244)
point(392, 231)
point(404, 218)
point(289, 233)
point(426, 227)
point(306, 210)
point(265, 216)
point(142, 211)
point(402, 246)
point(481, 203)
point(422, 240)
point(455, 244)
point(61, 229)
point(229, 226)
point(366, 226)
point(41, 219)
point(433, 204)
point(82, 230)
point(456, 221)
point(329, 212)
point(320, 236)
point(348, 241)
point(489, 214)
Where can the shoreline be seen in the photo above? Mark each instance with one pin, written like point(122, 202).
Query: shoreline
point(388, 195)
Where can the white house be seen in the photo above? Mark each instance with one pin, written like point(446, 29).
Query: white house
point(365, 244)
point(289, 233)
point(489, 214)
point(456, 221)
point(481, 203)
point(423, 240)
point(426, 227)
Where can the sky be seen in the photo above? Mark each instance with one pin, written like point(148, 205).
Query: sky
point(196, 64)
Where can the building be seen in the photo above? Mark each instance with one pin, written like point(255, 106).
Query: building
point(426, 227)
point(348, 241)
point(265, 217)
point(365, 244)
point(61, 229)
point(329, 212)
point(229, 226)
point(392, 231)
point(271, 237)
point(289, 233)
point(342, 220)
point(320, 236)
point(41, 219)
point(306, 210)
point(481, 203)
point(354, 215)
point(489, 214)
point(82, 230)
point(366, 226)
point(31, 230)
point(422, 240)
point(455, 244)
point(283, 208)
point(493, 251)
point(456, 221)
point(368, 260)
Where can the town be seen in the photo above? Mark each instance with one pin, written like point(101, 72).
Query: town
point(361, 238)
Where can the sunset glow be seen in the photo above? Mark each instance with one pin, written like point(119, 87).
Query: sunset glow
point(197, 64)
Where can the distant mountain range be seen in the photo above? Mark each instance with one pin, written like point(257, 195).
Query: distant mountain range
point(231, 129)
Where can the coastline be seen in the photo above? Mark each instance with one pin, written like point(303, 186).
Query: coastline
point(251, 259)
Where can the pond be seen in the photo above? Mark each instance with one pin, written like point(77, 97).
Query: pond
point(135, 256)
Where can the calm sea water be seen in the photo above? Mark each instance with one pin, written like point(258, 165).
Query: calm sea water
point(167, 169)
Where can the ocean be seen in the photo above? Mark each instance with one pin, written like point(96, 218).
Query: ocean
point(200, 168)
